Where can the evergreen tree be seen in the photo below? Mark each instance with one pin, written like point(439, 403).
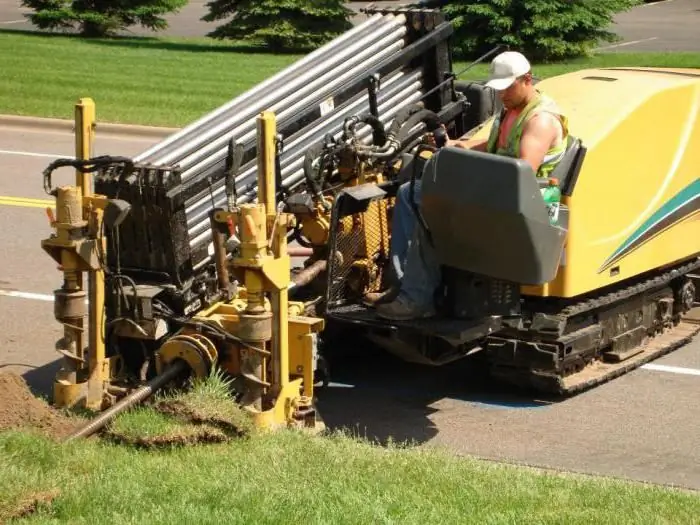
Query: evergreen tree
point(541, 29)
point(100, 17)
point(289, 25)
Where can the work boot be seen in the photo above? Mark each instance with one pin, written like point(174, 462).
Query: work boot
point(401, 309)
point(376, 298)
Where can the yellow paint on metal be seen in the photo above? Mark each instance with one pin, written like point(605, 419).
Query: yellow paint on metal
point(76, 250)
point(26, 202)
point(641, 128)
point(85, 117)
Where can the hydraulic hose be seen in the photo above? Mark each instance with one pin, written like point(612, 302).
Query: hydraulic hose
point(315, 183)
point(412, 191)
point(378, 132)
point(401, 117)
point(429, 118)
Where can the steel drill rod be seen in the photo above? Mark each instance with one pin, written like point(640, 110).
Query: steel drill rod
point(312, 58)
point(250, 193)
point(300, 86)
point(222, 121)
point(141, 394)
point(198, 221)
point(309, 135)
point(296, 148)
point(388, 110)
point(286, 104)
point(308, 274)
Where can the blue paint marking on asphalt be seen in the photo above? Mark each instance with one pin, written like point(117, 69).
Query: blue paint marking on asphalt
point(509, 404)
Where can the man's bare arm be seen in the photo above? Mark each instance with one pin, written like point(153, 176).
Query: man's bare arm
point(475, 144)
point(538, 136)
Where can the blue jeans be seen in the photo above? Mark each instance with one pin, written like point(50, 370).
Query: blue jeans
point(412, 256)
point(403, 224)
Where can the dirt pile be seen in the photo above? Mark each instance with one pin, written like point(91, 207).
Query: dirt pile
point(20, 409)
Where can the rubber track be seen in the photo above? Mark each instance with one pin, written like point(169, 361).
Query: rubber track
point(657, 346)
point(598, 372)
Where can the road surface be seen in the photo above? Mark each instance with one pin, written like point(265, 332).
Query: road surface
point(641, 426)
point(670, 25)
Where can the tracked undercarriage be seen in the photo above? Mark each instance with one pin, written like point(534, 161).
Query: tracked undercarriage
point(567, 348)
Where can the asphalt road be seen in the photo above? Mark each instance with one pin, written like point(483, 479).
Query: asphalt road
point(641, 426)
point(668, 25)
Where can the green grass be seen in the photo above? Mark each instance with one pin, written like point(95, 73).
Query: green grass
point(172, 82)
point(294, 478)
point(291, 477)
point(159, 82)
point(204, 413)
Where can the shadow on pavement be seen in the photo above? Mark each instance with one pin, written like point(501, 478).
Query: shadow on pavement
point(379, 397)
point(40, 379)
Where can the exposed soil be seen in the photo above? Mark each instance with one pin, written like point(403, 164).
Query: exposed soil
point(185, 435)
point(29, 505)
point(184, 411)
point(20, 409)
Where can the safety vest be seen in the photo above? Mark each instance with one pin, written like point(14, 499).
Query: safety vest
point(512, 149)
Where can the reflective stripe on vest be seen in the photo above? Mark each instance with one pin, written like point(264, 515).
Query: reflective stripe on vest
point(512, 148)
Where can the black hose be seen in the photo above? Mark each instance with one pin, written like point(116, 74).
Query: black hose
point(401, 117)
point(87, 166)
point(313, 182)
point(378, 132)
point(429, 118)
point(411, 191)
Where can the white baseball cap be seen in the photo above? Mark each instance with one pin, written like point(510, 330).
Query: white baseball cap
point(505, 68)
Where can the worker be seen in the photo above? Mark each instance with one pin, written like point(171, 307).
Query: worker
point(530, 127)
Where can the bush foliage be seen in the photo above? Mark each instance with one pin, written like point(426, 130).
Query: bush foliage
point(541, 29)
point(281, 25)
point(96, 18)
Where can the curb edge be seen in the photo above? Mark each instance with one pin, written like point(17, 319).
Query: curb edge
point(18, 121)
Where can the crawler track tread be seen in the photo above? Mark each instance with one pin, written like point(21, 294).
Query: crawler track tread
point(597, 372)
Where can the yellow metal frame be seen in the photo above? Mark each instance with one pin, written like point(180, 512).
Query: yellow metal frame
point(275, 338)
point(275, 335)
point(75, 246)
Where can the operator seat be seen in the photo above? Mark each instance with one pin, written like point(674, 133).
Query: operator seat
point(486, 215)
point(568, 168)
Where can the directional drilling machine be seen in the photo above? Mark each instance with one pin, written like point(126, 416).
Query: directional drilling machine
point(186, 270)
point(185, 246)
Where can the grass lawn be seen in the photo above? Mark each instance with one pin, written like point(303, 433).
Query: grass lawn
point(292, 478)
point(154, 467)
point(172, 82)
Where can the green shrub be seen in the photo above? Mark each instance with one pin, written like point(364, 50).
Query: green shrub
point(281, 25)
point(541, 29)
point(97, 18)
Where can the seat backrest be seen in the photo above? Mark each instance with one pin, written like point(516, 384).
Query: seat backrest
point(569, 166)
point(486, 215)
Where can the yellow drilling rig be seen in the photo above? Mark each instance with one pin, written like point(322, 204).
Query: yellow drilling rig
point(255, 333)
point(187, 247)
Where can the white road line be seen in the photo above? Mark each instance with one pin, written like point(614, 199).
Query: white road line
point(656, 3)
point(648, 366)
point(32, 154)
point(26, 295)
point(630, 43)
point(14, 21)
point(29, 295)
point(672, 369)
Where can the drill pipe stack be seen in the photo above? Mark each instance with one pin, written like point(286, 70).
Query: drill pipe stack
point(395, 57)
